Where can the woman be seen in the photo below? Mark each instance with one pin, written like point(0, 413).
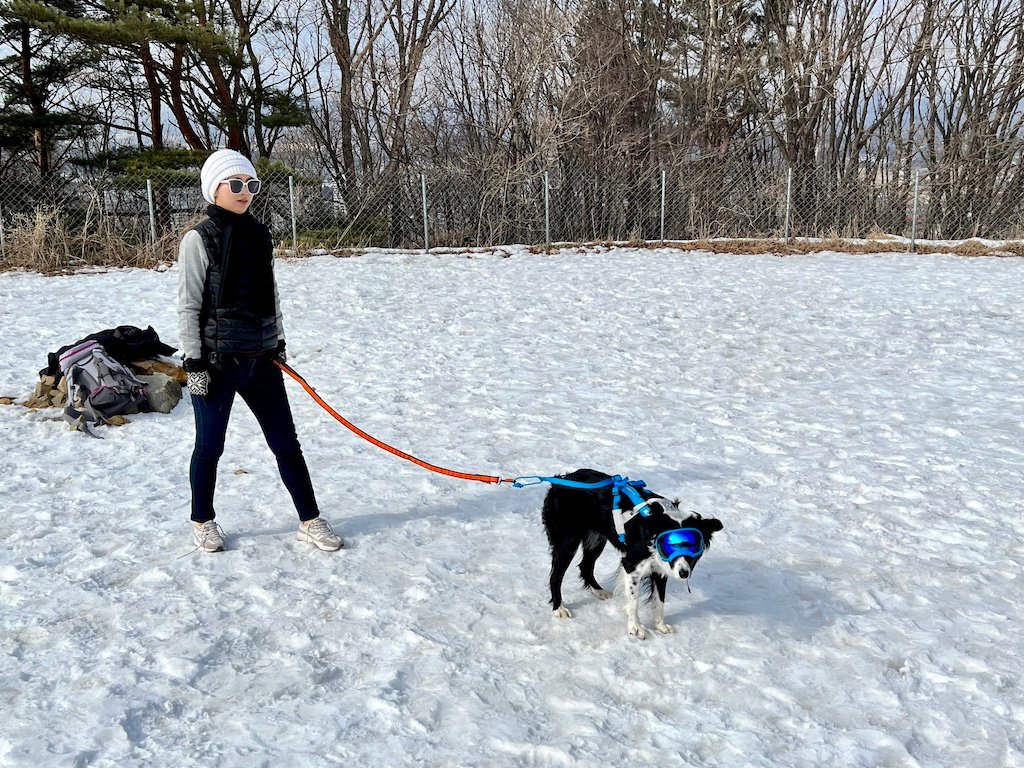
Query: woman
point(231, 332)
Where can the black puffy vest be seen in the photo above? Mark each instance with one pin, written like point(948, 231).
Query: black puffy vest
point(238, 313)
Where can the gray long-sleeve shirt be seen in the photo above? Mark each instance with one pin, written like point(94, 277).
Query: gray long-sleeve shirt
point(193, 264)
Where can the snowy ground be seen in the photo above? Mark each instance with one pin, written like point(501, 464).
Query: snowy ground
point(857, 422)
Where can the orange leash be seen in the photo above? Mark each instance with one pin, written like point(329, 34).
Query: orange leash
point(380, 443)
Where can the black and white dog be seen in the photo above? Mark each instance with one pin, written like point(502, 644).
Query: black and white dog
point(662, 543)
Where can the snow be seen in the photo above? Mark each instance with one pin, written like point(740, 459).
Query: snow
point(856, 421)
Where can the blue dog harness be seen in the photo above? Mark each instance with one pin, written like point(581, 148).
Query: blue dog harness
point(620, 485)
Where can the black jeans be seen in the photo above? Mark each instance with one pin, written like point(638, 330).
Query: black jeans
point(261, 385)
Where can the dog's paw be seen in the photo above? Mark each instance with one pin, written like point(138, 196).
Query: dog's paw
point(561, 612)
point(665, 629)
point(637, 631)
point(602, 594)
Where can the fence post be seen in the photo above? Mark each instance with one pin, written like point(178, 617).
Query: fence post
point(426, 228)
point(152, 212)
point(789, 201)
point(295, 226)
point(3, 243)
point(662, 206)
point(913, 216)
point(547, 210)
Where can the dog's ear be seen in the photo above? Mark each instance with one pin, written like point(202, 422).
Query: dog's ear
point(708, 526)
point(665, 505)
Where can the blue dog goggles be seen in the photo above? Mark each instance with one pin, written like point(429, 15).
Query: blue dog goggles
point(679, 542)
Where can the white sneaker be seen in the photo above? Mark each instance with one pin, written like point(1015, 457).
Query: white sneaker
point(319, 533)
point(208, 536)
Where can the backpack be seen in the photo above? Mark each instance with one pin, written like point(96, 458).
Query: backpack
point(98, 386)
point(126, 343)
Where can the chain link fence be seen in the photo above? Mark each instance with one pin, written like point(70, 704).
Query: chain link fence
point(142, 218)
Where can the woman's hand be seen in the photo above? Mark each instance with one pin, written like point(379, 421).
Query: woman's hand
point(198, 383)
point(197, 379)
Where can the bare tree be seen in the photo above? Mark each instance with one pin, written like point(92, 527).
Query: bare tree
point(353, 34)
point(972, 122)
point(493, 113)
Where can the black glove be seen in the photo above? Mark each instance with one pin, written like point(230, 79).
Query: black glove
point(279, 354)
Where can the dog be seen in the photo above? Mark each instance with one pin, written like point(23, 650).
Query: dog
point(661, 543)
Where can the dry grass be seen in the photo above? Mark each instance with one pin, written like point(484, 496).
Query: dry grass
point(840, 245)
point(42, 242)
point(796, 247)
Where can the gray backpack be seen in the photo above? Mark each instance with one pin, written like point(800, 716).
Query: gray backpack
point(98, 386)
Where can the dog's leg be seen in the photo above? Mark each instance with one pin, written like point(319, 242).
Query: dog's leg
point(561, 557)
point(660, 583)
point(593, 545)
point(631, 579)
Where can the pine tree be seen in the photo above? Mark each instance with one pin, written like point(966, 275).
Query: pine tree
point(40, 65)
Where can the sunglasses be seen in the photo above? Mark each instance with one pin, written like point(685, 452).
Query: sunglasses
point(679, 542)
point(236, 185)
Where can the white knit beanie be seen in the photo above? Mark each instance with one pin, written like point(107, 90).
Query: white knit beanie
point(221, 165)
